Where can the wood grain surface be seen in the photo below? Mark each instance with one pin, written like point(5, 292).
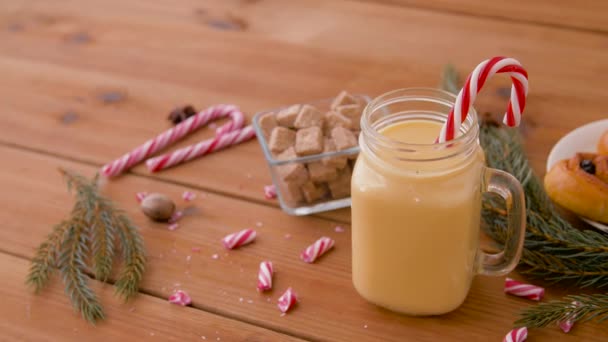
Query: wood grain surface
point(581, 15)
point(82, 84)
point(50, 317)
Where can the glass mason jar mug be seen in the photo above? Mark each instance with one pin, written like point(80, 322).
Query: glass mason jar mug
point(416, 206)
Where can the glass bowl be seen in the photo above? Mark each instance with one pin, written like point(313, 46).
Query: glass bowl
point(300, 198)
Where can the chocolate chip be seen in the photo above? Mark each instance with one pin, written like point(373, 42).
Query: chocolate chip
point(180, 114)
point(588, 166)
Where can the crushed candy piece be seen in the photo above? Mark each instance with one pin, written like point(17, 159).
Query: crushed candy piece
point(140, 196)
point(516, 335)
point(215, 256)
point(265, 276)
point(180, 298)
point(520, 289)
point(188, 196)
point(287, 300)
point(317, 249)
point(196, 249)
point(270, 192)
point(566, 325)
point(177, 215)
point(339, 229)
point(173, 226)
point(239, 239)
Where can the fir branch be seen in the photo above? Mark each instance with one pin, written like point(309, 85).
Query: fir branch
point(44, 258)
point(102, 245)
point(581, 308)
point(72, 263)
point(128, 281)
point(94, 221)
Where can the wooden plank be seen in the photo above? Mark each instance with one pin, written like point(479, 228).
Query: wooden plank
point(584, 15)
point(50, 317)
point(49, 75)
point(329, 309)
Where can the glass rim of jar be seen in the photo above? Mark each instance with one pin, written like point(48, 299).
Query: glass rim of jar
point(469, 131)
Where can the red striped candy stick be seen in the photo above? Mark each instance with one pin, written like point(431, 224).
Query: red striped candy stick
point(287, 300)
point(318, 248)
point(265, 276)
point(202, 148)
point(519, 289)
point(516, 335)
point(476, 80)
point(239, 239)
point(172, 135)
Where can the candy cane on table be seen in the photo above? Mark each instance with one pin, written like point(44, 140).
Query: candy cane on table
point(202, 148)
point(318, 248)
point(516, 335)
point(265, 276)
point(171, 135)
point(520, 289)
point(239, 239)
point(476, 80)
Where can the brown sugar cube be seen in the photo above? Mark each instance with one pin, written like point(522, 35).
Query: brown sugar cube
point(335, 162)
point(335, 119)
point(343, 138)
point(308, 116)
point(267, 123)
point(309, 141)
point(344, 98)
point(293, 172)
point(313, 192)
point(353, 112)
point(320, 172)
point(281, 138)
point(340, 187)
point(287, 117)
point(290, 193)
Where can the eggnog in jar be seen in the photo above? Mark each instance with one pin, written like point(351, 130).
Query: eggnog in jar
point(416, 206)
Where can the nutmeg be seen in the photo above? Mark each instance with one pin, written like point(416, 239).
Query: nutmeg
point(158, 207)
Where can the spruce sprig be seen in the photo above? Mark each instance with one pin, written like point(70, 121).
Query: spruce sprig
point(580, 308)
point(91, 232)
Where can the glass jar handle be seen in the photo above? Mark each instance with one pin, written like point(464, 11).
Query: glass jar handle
point(507, 187)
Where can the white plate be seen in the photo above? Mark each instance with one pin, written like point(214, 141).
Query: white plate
point(582, 139)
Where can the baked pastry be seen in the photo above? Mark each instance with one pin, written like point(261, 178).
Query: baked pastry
point(602, 145)
point(581, 185)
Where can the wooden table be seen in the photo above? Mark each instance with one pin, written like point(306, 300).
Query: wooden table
point(83, 81)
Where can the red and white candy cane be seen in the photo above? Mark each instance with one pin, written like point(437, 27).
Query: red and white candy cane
point(516, 335)
point(265, 276)
point(318, 248)
point(239, 239)
point(287, 300)
point(519, 289)
point(202, 148)
point(172, 135)
point(476, 80)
